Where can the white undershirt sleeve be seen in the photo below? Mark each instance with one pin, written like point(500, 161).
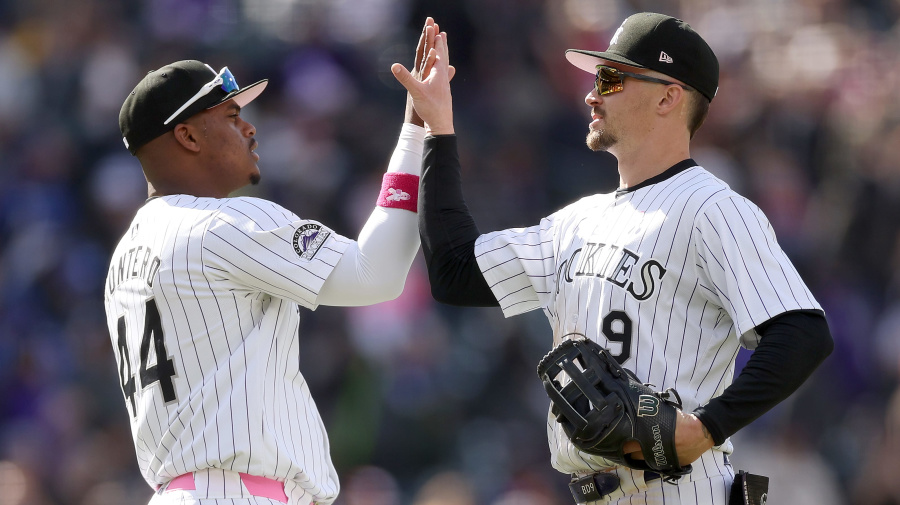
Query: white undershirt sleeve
point(407, 156)
point(373, 269)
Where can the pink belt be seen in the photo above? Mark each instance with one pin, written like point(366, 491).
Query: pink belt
point(220, 480)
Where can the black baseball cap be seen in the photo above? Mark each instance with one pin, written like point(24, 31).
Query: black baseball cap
point(661, 43)
point(175, 92)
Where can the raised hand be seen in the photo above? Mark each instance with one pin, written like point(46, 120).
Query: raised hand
point(426, 42)
point(430, 89)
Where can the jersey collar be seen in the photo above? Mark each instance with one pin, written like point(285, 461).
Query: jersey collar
point(677, 168)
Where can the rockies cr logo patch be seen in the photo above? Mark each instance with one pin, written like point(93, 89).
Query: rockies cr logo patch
point(308, 239)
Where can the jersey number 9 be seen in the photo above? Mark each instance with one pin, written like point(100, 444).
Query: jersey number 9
point(617, 328)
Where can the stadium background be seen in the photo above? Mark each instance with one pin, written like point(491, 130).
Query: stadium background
point(428, 404)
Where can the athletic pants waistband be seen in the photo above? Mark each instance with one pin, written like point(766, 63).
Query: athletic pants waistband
point(215, 483)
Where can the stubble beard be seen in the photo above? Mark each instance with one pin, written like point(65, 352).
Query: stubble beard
point(255, 178)
point(600, 140)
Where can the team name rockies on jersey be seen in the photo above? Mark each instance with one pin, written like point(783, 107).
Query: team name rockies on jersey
point(613, 263)
point(671, 277)
point(202, 300)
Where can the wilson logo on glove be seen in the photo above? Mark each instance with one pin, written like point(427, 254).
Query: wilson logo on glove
point(659, 452)
point(647, 406)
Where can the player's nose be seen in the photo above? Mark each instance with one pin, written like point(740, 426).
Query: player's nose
point(249, 129)
point(592, 98)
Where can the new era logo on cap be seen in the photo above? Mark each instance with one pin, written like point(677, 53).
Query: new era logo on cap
point(665, 58)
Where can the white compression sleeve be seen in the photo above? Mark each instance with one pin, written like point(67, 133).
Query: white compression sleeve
point(407, 156)
point(373, 269)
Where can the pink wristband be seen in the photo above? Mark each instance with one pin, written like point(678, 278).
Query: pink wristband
point(399, 191)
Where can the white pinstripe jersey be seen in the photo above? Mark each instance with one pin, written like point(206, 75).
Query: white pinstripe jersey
point(672, 277)
point(202, 300)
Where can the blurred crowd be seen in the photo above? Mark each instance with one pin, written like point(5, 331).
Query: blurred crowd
point(428, 404)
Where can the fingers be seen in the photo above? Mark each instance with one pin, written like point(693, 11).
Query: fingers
point(434, 32)
point(427, 61)
point(440, 44)
point(428, 52)
point(451, 70)
point(429, 46)
point(420, 48)
point(441, 48)
point(425, 55)
point(428, 64)
point(426, 41)
point(404, 77)
point(441, 58)
point(424, 65)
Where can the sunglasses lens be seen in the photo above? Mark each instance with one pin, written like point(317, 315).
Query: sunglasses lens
point(609, 80)
point(609, 74)
point(229, 84)
point(610, 87)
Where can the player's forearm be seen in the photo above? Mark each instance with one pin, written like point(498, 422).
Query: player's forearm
point(791, 348)
point(447, 229)
point(374, 268)
point(407, 156)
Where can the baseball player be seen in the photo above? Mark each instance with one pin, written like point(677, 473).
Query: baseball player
point(204, 291)
point(672, 272)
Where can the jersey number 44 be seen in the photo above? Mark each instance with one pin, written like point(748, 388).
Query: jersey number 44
point(162, 372)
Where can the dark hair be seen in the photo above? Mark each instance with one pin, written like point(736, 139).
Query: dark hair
point(698, 109)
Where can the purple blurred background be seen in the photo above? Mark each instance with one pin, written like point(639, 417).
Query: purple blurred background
point(429, 404)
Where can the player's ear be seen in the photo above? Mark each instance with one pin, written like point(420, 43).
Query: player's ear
point(671, 98)
point(187, 136)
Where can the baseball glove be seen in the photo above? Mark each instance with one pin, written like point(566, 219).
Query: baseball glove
point(601, 406)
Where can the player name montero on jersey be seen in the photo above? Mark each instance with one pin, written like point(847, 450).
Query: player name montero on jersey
point(615, 264)
point(137, 263)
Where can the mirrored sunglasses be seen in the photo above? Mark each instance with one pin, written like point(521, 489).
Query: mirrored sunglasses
point(223, 79)
point(612, 80)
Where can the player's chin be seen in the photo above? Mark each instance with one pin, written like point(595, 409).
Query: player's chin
point(600, 140)
point(255, 175)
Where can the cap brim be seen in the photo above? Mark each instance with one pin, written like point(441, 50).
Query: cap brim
point(246, 94)
point(588, 60)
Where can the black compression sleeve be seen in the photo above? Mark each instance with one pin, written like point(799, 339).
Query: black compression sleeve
point(448, 230)
point(792, 345)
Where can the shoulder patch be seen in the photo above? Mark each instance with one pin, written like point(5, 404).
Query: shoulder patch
point(308, 239)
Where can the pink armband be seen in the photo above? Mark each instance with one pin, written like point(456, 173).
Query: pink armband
point(399, 191)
